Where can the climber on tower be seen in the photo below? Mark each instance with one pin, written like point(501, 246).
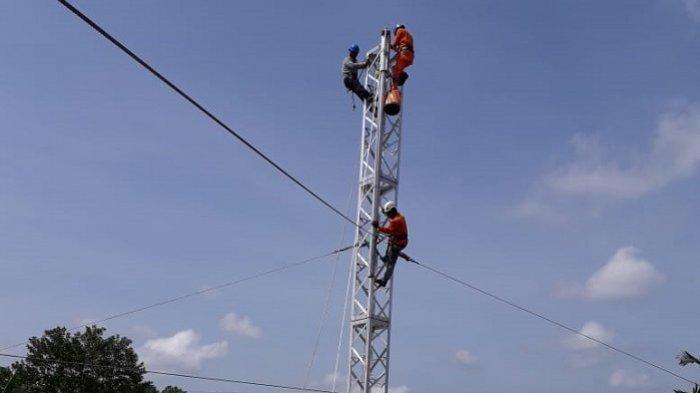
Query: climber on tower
point(398, 239)
point(350, 68)
point(403, 45)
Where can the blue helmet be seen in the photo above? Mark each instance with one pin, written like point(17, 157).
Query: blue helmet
point(354, 49)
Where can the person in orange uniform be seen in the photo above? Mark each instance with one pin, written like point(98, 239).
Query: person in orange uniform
point(398, 239)
point(403, 45)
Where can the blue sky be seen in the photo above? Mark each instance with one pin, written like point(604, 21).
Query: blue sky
point(551, 154)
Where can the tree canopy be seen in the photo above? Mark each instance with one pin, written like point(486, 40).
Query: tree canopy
point(684, 359)
point(173, 389)
point(63, 362)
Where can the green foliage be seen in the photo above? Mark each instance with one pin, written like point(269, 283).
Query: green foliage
point(696, 389)
point(8, 382)
point(5, 375)
point(173, 389)
point(89, 362)
point(684, 359)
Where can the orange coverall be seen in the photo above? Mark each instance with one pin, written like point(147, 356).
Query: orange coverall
point(397, 230)
point(398, 240)
point(403, 45)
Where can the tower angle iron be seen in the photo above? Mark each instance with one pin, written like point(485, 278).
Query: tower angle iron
point(370, 321)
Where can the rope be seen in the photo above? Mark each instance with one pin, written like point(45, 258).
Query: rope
point(331, 286)
point(170, 374)
point(343, 321)
point(546, 319)
point(202, 109)
point(199, 292)
point(322, 320)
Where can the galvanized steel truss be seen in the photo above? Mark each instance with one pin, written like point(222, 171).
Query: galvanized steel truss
point(370, 330)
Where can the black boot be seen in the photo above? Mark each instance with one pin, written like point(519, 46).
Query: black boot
point(402, 79)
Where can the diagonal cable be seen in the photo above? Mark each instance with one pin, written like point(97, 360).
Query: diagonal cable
point(170, 374)
point(200, 292)
point(547, 319)
point(343, 320)
point(329, 291)
point(202, 109)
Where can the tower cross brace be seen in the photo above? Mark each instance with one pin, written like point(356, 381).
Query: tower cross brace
point(370, 322)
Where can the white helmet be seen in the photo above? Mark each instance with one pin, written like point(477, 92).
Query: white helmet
point(389, 205)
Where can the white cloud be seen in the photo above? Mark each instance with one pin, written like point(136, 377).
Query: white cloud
point(327, 381)
point(693, 9)
point(537, 207)
point(674, 155)
point(396, 389)
point(591, 329)
point(624, 276)
point(240, 325)
point(628, 379)
point(181, 350)
point(465, 357)
point(600, 174)
point(330, 378)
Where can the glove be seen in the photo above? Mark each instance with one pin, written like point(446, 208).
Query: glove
point(370, 58)
point(375, 224)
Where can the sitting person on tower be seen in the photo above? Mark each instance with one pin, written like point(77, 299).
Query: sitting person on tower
point(350, 67)
point(403, 45)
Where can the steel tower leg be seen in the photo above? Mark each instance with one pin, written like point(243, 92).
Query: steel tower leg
point(370, 330)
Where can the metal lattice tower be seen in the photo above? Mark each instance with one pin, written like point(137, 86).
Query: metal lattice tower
point(370, 330)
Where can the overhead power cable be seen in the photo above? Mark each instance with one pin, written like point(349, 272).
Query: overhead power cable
point(321, 322)
point(547, 319)
point(343, 320)
point(218, 121)
point(329, 292)
point(212, 391)
point(215, 391)
point(170, 374)
point(205, 111)
point(201, 291)
point(333, 208)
